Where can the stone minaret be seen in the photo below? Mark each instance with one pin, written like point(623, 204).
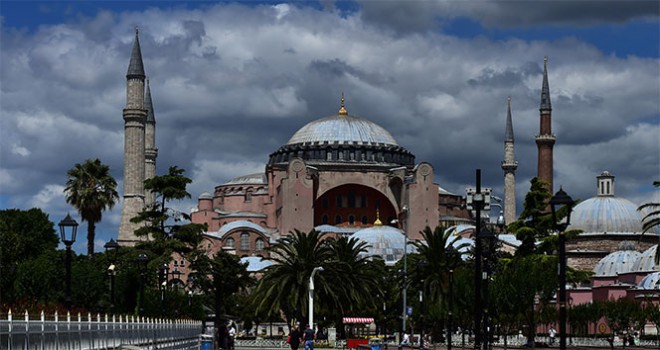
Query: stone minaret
point(135, 116)
point(150, 152)
point(509, 165)
point(545, 140)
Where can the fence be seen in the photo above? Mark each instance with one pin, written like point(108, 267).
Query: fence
point(107, 332)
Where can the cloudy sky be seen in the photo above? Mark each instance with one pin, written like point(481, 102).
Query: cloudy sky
point(231, 82)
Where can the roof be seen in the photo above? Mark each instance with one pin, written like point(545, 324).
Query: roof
point(135, 66)
point(250, 179)
point(545, 89)
point(606, 214)
point(646, 261)
point(342, 129)
point(650, 281)
point(240, 224)
point(148, 104)
point(385, 241)
point(508, 134)
point(620, 261)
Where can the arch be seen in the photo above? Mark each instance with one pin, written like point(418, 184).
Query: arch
point(365, 182)
point(342, 205)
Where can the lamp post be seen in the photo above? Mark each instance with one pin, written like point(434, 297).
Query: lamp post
point(311, 295)
point(488, 235)
point(559, 200)
point(176, 279)
point(451, 265)
point(112, 246)
point(421, 269)
point(142, 266)
point(68, 230)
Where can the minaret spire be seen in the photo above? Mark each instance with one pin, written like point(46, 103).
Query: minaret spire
point(509, 165)
point(545, 88)
point(135, 66)
point(545, 140)
point(150, 151)
point(135, 116)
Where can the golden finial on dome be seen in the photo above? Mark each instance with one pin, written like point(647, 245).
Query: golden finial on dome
point(342, 110)
point(378, 222)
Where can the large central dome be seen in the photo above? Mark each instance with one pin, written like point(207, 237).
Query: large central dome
point(340, 140)
point(342, 129)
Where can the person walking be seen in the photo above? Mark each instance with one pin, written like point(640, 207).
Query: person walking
point(294, 338)
point(308, 337)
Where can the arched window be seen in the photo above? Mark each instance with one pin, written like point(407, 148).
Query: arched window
point(338, 219)
point(245, 241)
point(248, 196)
point(365, 220)
point(259, 245)
point(351, 219)
point(324, 220)
point(351, 199)
point(229, 243)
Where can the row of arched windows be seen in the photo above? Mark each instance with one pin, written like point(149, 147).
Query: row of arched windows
point(244, 243)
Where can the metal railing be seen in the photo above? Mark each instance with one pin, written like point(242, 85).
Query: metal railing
point(107, 332)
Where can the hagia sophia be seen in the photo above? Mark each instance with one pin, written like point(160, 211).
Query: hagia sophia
point(346, 175)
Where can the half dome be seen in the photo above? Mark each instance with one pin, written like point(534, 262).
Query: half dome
point(646, 261)
point(650, 281)
point(385, 241)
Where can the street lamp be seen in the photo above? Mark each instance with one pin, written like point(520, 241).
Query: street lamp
point(421, 269)
point(452, 256)
point(176, 279)
point(559, 200)
point(311, 295)
point(142, 266)
point(112, 245)
point(68, 230)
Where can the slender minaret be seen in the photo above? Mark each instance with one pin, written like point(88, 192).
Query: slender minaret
point(509, 165)
point(150, 152)
point(134, 126)
point(545, 140)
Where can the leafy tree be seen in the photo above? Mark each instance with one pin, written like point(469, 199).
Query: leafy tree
point(652, 219)
point(24, 235)
point(91, 190)
point(164, 225)
point(221, 277)
point(40, 280)
point(284, 284)
point(432, 249)
point(619, 315)
point(534, 222)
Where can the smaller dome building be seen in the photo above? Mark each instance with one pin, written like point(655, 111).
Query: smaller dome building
point(605, 221)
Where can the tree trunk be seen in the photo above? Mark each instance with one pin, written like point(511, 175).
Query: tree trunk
point(91, 233)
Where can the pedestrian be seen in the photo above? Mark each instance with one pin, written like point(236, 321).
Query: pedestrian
point(232, 335)
point(552, 333)
point(294, 338)
point(308, 337)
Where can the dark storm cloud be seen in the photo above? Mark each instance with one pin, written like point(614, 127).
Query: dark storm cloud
point(232, 83)
point(413, 16)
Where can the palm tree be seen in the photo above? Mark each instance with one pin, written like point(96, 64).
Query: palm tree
point(652, 219)
point(284, 284)
point(91, 190)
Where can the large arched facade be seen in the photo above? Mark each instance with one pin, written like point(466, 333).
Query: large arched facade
point(341, 171)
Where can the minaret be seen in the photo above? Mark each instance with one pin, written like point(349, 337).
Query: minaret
point(150, 152)
point(134, 126)
point(545, 140)
point(509, 165)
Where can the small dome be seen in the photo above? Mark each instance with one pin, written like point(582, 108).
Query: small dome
point(342, 129)
point(385, 241)
point(650, 281)
point(617, 262)
point(606, 214)
point(646, 261)
point(205, 195)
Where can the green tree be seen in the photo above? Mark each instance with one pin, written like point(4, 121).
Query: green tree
point(435, 275)
point(283, 286)
point(168, 230)
point(91, 190)
point(221, 277)
point(619, 315)
point(24, 235)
